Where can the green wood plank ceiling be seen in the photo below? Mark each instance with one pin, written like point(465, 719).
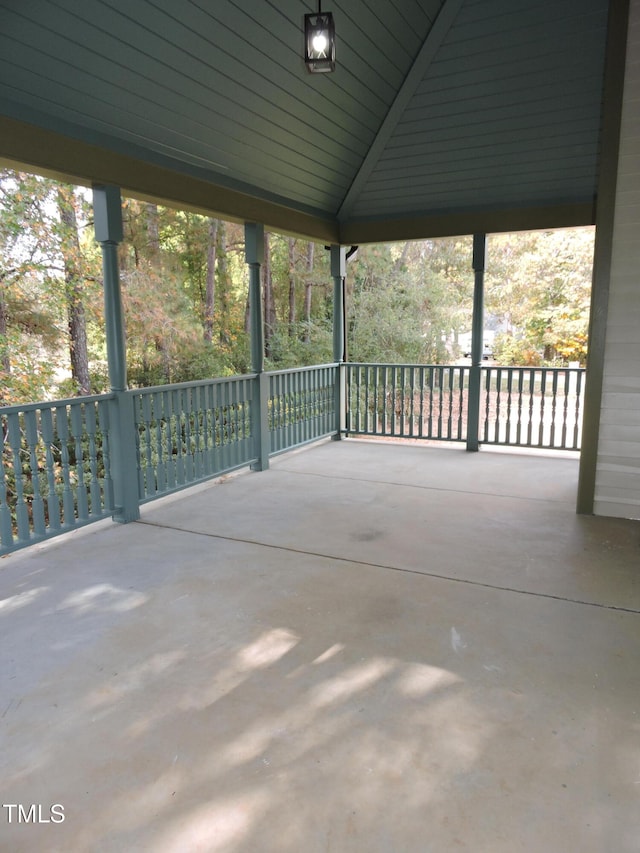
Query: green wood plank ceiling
point(441, 117)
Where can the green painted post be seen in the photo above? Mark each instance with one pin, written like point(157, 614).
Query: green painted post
point(477, 329)
point(107, 211)
point(338, 272)
point(254, 256)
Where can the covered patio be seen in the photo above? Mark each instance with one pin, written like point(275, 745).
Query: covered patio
point(367, 646)
point(370, 646)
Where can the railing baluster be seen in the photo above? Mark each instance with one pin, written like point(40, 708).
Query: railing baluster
point(160, 420)
point(486, 371)
point(107, 481)
point(449, 381)
point(519, 421)
point(22, 513)
point(187, 398)
point(53, 502)
point(138, 419)
point(196, 430)
point(421, 403)
point(507, 436)
point(576, 428)
point(235, 455)
point(543, 380)
point(94, 485)
point(82, 502)
point(532, 381)
point(554, 394)
point(62, 429)
point(461, 383)
point(565, 406)
point(498, 393)
point(431, 388)
point(37, 504)
point(6, 532)
point(149, 478)
point(306, 404)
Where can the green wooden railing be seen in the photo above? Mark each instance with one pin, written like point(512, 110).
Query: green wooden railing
point(60, 460)
point(56, 471)
point(63, 462)
point(519, 406)
point(407, 401)
point(532, 407)
point(190, 432)
point(302, 405)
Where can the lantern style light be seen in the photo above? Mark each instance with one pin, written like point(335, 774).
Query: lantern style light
point(320, 42)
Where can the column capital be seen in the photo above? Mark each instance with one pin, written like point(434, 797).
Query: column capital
point(254, 243)
point(107, 213)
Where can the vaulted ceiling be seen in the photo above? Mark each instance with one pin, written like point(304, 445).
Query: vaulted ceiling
point(443, 116)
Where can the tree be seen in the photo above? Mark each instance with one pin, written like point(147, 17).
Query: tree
point(74, 278)
point(210, 290)
point(539, 289)
point(48, 278)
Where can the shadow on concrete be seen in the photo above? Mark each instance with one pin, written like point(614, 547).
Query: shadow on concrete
point(185, 689)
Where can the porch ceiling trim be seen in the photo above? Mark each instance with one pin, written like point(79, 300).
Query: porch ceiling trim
point(26, 146)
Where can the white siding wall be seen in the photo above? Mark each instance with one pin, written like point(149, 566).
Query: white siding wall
point(617, 491)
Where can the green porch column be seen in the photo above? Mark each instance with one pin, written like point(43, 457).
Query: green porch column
point(338, 272)
point(254, 257)
point(477, 333)
point(107, 212)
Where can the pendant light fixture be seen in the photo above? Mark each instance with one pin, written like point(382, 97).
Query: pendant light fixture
point(320, 42)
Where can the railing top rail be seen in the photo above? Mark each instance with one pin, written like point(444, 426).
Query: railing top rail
point(199, 383)
point(533, 369)
point(404, 364)
point(54, 404)
point(537, 369)
point(302, 369)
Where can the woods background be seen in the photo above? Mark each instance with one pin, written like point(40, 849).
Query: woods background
point(185, 294)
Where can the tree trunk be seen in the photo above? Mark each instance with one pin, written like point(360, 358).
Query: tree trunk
point(210, 291)
point(269, 303)
point(401, 260)
point(292, 287)
point(247, 314)
point(223, 282)
point(308, 284)
point(5, 360)
point(153, 229)
point(76, 320)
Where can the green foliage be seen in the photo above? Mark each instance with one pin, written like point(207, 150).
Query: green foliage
point(37, 252)
point(185, 287)
point(539, 287)
point(310, 343)
point(515, 352)
point(407, 300)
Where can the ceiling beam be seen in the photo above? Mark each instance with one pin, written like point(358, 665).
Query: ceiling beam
point(425, 227)
point(441, 26)
point(29, 148)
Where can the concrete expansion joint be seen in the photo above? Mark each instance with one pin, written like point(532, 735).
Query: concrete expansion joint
point(353, 561)
point(484, 494)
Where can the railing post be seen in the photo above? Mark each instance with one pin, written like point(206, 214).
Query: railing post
point(338, 272)
point(254, 256)
point(107, 211)
point(477, 332)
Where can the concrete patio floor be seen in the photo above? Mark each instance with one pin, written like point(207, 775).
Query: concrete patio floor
point(370, 647)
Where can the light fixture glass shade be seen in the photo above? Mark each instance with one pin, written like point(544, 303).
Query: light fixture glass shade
point(320, 43)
